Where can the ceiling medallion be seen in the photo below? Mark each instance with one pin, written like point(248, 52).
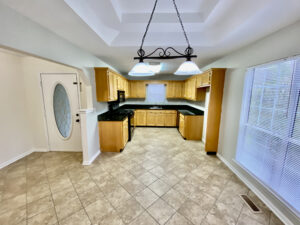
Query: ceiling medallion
point(186, 68)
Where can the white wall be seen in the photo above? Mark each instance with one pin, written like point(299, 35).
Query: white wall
point(283, 43)
point(15, 131)
point(31, 69)
point(22, 34)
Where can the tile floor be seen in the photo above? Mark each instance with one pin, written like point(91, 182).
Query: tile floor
point(158, 179)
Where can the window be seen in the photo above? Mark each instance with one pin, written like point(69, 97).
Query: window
point(269, 133)
point(156, 93)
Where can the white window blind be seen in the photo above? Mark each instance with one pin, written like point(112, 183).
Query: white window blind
point(269, 133)
point(156, 93)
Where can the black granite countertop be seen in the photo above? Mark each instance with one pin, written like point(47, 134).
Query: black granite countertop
point(121, 113)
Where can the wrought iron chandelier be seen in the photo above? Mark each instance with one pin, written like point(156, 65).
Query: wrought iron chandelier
point(186, 68)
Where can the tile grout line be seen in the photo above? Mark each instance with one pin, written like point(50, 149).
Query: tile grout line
point(78, 199)
point(50, 191)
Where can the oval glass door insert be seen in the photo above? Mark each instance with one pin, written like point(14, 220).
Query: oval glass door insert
point(62, 110)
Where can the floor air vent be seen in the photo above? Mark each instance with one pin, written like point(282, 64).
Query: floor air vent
point(250, 204)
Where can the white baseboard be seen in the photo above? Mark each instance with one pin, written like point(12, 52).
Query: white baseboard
point(40, 150)
point(14, 159)
point(91, 160)
point(256, 191)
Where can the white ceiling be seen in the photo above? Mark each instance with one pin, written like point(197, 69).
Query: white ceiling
point(112, 29)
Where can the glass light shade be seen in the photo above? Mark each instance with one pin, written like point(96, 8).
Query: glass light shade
point(155, 68)
point(141, 69)
point(188, 68)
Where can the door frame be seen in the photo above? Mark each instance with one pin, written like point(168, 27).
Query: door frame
point(44, 106)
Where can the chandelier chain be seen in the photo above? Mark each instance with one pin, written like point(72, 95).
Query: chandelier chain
point(180, 20)
point(150, 19)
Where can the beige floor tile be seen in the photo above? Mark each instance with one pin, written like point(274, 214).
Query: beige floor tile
point(125, 177)
point(246, 220)
point(197, 185)
point(78, 218)
point(178, 219)
point(146, 197)
point(47, 217)
point(12, 203)
point(192, 211)
point(134, 187)
point(147, 178)
point(129, 210)
point(67, 208)
point(60, 184)
point(38, 206)
point(117, 196)
point(91, 195)
point(161, 211)
point(63, 196)
point(174, 198)
point(263, 218)
point(38, 191)
point(144, 219)
point(159, 187)
point(112, 218)
point(170, 179)
point(222, 214)
point(158, 171)
point(84, 185)
point(137, 170)
point(98, 210)
point(13, 217)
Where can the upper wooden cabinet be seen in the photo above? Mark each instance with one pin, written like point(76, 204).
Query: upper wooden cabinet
point(175, 89)
point(108, 82)
point(204, 80)
point(137, 89)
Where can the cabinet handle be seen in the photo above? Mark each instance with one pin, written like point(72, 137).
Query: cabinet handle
point(78, 120)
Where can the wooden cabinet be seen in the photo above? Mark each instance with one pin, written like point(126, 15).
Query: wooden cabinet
point(174, 89)
point(151, 118)
point(190, 126)
point(204, 80)
point(171, 119)
point(108, 82)
point(113, 135)
point(140, 117)
point(137, 89)
point(216, 79)
point(156, 118)
point(181, 125)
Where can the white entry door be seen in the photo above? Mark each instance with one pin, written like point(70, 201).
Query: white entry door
point(61, 102)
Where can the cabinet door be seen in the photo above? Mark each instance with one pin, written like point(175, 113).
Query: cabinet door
point(151, 118)
point(141, 89)
point(160, 119)
point(205, 79)
point(112, 83)
point(170, 119)
point(140, 118)
point(178, 90)
point(171, 89)
point(133, 89)
point(125, 132)
point(198, 80)
point(193, 88)
point(181, 124)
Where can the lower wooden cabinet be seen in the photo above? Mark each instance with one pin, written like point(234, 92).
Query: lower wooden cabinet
point(113, 135)
point(140, 117)
point(156, 118)
point(190, 127)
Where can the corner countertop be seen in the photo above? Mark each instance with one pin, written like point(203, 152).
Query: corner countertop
point(120, 113)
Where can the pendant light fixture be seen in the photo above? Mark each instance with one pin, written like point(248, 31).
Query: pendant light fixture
point(186, 68)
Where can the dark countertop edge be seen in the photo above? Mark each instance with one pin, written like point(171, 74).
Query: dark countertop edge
point(186, 110)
